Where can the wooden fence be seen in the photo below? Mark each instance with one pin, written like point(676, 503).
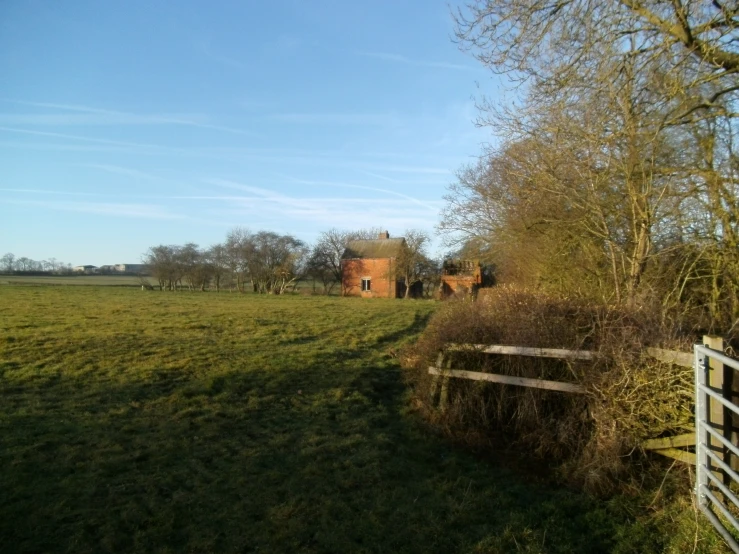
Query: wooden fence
point(672, 447)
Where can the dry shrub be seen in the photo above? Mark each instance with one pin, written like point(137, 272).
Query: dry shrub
point(588, 438)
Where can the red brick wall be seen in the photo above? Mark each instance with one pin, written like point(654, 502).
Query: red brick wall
point(380, 270)
point(462, 284)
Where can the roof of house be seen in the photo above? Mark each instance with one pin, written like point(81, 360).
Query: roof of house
point(373, 248)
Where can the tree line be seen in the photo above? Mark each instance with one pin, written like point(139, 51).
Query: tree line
point(271, 263)
point(9, 263)
point(616, 172)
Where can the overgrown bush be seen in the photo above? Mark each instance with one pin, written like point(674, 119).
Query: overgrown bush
point(588, 438)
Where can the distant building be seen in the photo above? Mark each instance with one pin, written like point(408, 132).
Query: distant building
point(86, 269)
point(130, 268)
point(123, 268)
point(368, 267)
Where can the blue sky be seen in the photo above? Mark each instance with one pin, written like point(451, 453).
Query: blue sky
point(129, 124)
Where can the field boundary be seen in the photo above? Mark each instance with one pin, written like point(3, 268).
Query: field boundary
point(667, 446)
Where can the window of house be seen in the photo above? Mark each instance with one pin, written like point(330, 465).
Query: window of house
point(366, 284)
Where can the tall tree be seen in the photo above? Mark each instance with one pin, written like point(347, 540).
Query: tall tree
point(275, 261)
point(325, 257)
point(412, 262)
point(601, 164)
point(692, 42)
point(217, 259)
point(237, 248)
point(164, 265)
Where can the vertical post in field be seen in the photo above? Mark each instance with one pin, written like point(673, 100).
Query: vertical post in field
point(701, 435)
point(435, 378)
point(444, 394)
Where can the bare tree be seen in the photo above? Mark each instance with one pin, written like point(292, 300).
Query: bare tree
point(412, 262)
point(217, 259)
point(430, 275)
point(559, 42)
point(275, 261)
point(189, 261)
point(325, 258)
point(614, 150)
point(164, 266)
point(8, 262)
point(23, 264)
point(237, 248)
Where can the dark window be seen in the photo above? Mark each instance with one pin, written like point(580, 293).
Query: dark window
point(366, 284)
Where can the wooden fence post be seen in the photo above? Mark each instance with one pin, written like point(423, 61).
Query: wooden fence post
point(724, 379)
point(444, 394)
point(731, 391)
point(440, 383)
point(719, 417)
point(435, 379)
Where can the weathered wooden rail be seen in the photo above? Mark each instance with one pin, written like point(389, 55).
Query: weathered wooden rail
point(672, 447)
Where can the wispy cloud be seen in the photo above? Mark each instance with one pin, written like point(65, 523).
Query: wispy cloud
point(334, 160)
point(323, 118)
point(76, 137)
point(409, 182)
point(125, 171)
point(427, 170)
point(50, 192)
point(113, 209)
point(427, 205)
point(87, 115)
point(342, 212)
point(259, 195)
point(398, 58)
point(61, 147)
point(86, 119)
point(381, 177)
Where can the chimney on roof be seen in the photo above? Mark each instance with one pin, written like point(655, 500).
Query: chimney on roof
point(384, 235)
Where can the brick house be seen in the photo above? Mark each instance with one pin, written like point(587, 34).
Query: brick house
point(368, 267)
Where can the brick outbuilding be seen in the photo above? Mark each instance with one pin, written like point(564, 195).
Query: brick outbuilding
point(368, 267)
point(463, 278)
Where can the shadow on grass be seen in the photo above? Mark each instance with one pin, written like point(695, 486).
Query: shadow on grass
point(318, 460)
point(420, 320)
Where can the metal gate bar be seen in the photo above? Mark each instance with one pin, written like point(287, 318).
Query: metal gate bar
point(705, 478)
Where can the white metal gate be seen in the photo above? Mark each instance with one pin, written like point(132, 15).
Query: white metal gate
point(715, 445)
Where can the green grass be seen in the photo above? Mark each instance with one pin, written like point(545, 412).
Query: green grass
point(97, 280)
point(135, 421)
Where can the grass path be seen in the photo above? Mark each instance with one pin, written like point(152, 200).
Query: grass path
point(139, 421)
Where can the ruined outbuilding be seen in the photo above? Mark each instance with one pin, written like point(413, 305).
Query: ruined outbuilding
point(463, 278)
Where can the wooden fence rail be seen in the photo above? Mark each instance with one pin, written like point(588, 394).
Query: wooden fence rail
point(523, 351)
point(669, 446)
point(508, 380)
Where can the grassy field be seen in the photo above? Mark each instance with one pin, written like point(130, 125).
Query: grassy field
point(96, 280)
point(137, 421)
point(303, 286)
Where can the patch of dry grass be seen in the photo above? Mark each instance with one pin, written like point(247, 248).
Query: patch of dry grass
point(591, 440)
